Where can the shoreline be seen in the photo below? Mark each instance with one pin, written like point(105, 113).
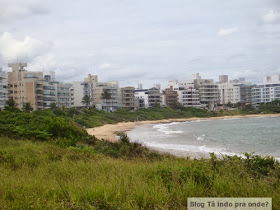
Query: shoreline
point(108, 131)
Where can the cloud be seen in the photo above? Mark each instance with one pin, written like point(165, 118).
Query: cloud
point(105, 66)
point(28, 48)
point(227, 31)
point(272, 17)
point(22, 8)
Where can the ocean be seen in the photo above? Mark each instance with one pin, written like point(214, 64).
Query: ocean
point(235, 136)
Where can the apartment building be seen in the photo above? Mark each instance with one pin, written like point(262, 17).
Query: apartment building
point(208, 92)
point(189, 97)
point(128, 98)
point(3, 88)
point(26, 87)
point(169, 97)
point(154, 97)
point(229, 93)
point(265, 93)
point(65, 95)
point(141, 98)
point(95, 89)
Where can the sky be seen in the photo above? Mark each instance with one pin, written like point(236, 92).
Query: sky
point(147, 41)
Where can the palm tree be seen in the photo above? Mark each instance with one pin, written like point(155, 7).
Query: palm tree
point(11, 102)
point(106, 95)
point(86, 100)
point(53, 106)
point(27, 107)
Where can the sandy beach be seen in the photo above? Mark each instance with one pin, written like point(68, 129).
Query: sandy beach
point(108, 132)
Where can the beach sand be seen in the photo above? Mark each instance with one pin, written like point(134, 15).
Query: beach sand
point(108, 132)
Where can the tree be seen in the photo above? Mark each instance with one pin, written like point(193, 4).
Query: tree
point(106, 95)
point(86, 100)
point(11, 102)
point(11, 105)
point(27, 107)
point(53, 106)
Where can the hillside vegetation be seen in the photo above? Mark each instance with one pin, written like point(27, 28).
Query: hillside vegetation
point(48, 161)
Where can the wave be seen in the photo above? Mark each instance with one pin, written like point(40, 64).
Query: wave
point(164, 128)
point(191, 148)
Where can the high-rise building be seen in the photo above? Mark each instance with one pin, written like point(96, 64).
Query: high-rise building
point(26, 87)
point(154, 97)
point(128, 98)
point(169, 97)
point(95, 89)
point(208, 92)
point(223, 78)
point(3, 88)
point(65, 95)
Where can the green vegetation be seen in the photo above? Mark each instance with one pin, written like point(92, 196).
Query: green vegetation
point(38, 175)
point(48, 161)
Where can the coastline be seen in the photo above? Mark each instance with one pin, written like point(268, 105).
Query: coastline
point(108, 131)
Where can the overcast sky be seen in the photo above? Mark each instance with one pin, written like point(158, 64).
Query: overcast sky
point(142, 41)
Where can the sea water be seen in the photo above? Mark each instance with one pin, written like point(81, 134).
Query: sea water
point(260, 136)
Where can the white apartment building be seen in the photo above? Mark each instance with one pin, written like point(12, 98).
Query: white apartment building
point(94, 89)
point(189, 97)
point(3, 88)
point(265, 93)
point(141, 98)
point(208, 92)
point(65, 95)
point(80, 89)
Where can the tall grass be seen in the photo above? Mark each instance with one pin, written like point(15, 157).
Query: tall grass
point(36, 175)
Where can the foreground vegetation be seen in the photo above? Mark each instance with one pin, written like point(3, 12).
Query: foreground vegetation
point(36, 175)
point(48, 161)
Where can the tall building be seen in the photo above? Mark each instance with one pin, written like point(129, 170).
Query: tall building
point(3, 88)
point(65, 95)
point(128, 98)
point(95, 89)
point(208, 92)
point(169, 97)
point(154, 97)
point(223, 78)
point(141, 98)
point(50, 89)
point(189, 97)
point(265, 93)
point(229, 93)
point(26, 87)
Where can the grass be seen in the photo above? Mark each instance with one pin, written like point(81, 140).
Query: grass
point(38, 175)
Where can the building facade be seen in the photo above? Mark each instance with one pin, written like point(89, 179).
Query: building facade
point(154, 97)
point(208, 92)
point(26, 87)
point(128, 98)
point(265, 93)
point(169, 97)
point(3, 88)
point(189, 97)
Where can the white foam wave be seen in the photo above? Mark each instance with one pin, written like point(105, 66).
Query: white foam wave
point(164, 128)
point(190, 148)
